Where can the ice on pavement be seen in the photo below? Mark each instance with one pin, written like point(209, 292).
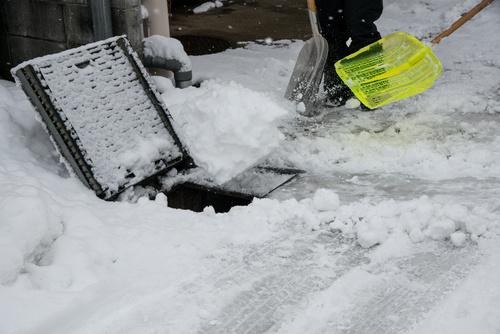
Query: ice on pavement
point(405, 240)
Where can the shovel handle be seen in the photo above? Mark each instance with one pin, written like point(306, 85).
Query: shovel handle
point(461, 21)
point(313, 17)
point(311, 4)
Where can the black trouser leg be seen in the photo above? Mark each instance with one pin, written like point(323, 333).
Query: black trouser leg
point(360, 16)
point(334, 29)
point(341, 20)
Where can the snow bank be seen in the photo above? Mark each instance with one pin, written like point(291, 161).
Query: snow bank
point(226, 127)
point(27, 230)
point(167, 48)
point(27, 226)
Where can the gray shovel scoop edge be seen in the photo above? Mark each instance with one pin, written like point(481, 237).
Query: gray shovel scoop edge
point(308, 72)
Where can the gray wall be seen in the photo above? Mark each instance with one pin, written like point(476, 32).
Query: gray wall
point(33, 28)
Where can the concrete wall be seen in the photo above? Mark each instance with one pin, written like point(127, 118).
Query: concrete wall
point(33, 28)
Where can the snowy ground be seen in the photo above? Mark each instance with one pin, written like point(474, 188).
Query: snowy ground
point(404, 239)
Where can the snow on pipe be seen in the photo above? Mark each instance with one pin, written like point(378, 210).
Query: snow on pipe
point(182, 78)
point(168, 54)
point(101, 19)
point(158, 17)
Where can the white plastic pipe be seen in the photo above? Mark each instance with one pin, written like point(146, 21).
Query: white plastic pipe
point(158, 17)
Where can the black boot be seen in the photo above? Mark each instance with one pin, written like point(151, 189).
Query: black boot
point(337, 93)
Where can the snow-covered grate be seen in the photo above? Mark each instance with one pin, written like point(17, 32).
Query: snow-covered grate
point(100, 109)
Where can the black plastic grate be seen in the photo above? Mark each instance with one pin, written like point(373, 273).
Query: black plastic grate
point(102, 113)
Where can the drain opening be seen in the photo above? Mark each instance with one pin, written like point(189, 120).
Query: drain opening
point(190, 196)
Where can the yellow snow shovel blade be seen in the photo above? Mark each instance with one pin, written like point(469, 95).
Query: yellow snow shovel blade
point(397, 66)
point(394, 68)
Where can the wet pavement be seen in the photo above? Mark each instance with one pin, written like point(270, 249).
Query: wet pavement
point(238, 21)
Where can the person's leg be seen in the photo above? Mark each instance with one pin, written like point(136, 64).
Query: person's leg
point(360, 17)
point(334, 29)
point(360, 20)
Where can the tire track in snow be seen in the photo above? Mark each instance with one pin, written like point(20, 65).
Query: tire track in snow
point(405, 298)
point(288, 273)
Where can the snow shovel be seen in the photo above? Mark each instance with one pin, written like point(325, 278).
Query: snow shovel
point(306, 77)
point(397, 66)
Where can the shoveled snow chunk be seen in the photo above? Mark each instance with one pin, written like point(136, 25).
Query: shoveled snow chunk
point(416, 235)
point(162, 84)
point(161, 199)
point(441, 229)
point(300, 107)
point(371, 233)
point(458, 238)
point(352, 103)
point(325, 200)
point(368, 238)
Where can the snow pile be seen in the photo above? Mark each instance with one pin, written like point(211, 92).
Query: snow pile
point(388, 221)
point(226, 127)
point(27, 230)
point(418, 219)
point(206, 6)
point(167, 48)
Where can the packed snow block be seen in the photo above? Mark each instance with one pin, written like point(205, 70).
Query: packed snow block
point(107, 121)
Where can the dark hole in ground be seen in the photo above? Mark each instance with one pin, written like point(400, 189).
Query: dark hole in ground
point(201, 45)
point(190, 196)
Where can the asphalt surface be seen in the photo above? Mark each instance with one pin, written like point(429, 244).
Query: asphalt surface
point(239, 21)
